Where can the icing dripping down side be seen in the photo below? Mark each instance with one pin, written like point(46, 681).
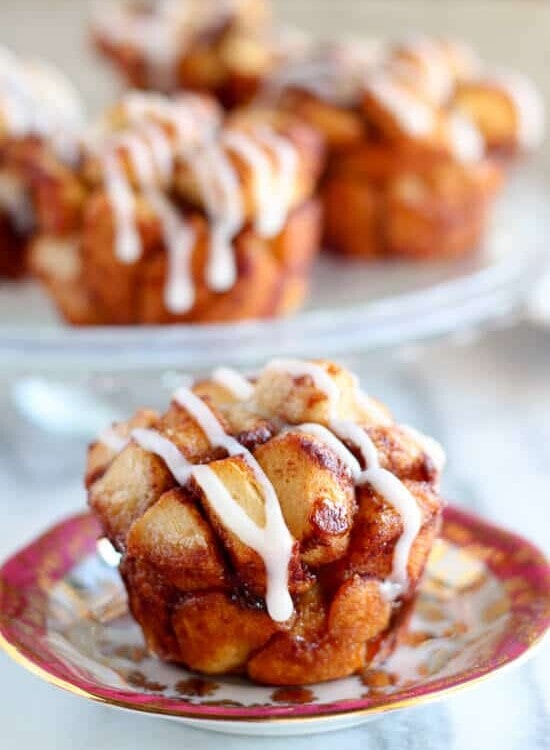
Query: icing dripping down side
point(285, 172)
point(153, 442)
point(219, 185)
point(413, 115)
point(234, 382)
point(179, 238)
point(273, 542)
point(162, 136)
point(112, 440)
point(272, 161)
point(149, 152)
point(122, 201)
point(260, 166)
point(384, 482)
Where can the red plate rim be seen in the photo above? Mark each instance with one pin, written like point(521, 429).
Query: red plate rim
point(32, 571)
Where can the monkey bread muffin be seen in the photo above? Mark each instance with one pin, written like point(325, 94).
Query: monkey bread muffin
point(275, 527)
point(416, 131)
point(183, 216)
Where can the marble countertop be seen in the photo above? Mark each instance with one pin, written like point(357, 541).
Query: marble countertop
point(487, 400)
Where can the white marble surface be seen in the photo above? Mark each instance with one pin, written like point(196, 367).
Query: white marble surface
point(488, 400)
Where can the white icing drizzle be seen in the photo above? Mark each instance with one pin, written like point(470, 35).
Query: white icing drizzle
point(221, 191)
point(233, 382)
point(273, 174)
point(140, 157)
point(467, 143)
point(192, 118)
point(528, 103)
point(382, 481)
point(334, 443)
point(330, 72)
point(272, 542)
point(431, 56)
point(284, 176)
point(179, 238)
point(122, 200)
point(150, 154)
point(153, 442)
point(255, 157)
point(37, 99)
point(161, 150)
point(111, 439)
point(217, 179)
point(412, 114)
point(298, 368)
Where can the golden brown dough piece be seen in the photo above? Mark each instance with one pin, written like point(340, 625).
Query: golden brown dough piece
point(275, 527)
point(185, 218)
point(40, 115)
point(506, 108)
point(219, 48)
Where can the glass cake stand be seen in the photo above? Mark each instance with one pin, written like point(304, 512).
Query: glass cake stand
point(352, 307)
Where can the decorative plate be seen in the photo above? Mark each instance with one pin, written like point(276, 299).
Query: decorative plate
point(484, 604)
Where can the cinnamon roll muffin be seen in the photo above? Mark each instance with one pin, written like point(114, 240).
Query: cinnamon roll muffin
point(40, 116)
point(185, 217)
point(275, 526)
point(221, 48)
point(412, 135)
